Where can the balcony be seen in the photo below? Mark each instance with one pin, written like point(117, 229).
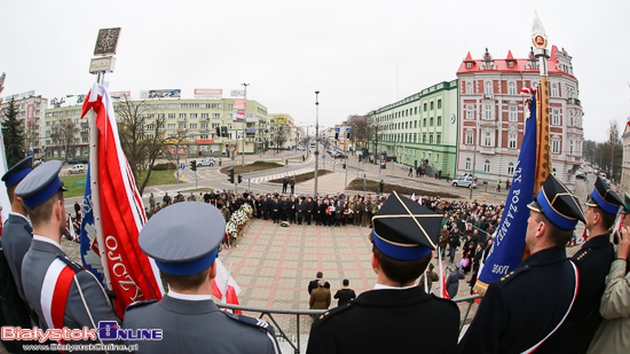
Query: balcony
point(574, 101)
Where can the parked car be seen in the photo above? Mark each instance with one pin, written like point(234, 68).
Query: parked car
point(580, 175)
point(77, 159)
point(78, 168)
point(207, 161)
point(466, 181)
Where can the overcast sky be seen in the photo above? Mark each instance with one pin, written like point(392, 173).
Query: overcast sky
point(360, 55)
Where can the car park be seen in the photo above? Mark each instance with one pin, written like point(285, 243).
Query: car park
point(466, 181)
point(78, 168)
point(207, 161)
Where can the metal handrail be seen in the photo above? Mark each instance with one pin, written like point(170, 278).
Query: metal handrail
point(296, 346)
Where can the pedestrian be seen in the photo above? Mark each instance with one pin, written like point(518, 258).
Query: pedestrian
point(285, 183)
point(189, 319)
point(499, 186)
point(410, 171)
point(313, 283)
point(320, 297)
point(77, 209)
point(381, 187)
point(166, 200)
point(453, 243)
point(507, 184)
point(452, 281)
point(220, 161)
point(292, 184)
point(396, 315)
point(593, 261)
point(152, 201)
point(86, 302)
point(520, 299)
point(427, 278)
point(345, 294)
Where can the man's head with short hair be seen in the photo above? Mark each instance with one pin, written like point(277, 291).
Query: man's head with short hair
point(319, 275)
point(345, 282)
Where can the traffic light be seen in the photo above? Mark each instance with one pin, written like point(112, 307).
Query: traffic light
point(193, 165)
point(231, 176)
point(240, 178)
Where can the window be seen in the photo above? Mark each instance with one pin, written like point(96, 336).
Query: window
point(468, 164)
point(439, 121)
point(193, 125)
point(218, 106)
point(512, 88)
point(183, 105)
point(205, 116)
point(438, 139)
point(431, 105)
point(194, 105)
point(469, 138)
point(487, 112)
point(512, 114)
point(182, 116)
point(512, 140)
point(161, 106)
point(555, 146)
point(182, 126)
point(205, 125)
point(193, 115)
point(487, 139)
point(171, 126)
point(555, 117)
point(469, 88)
point(172, 105)
point(424, 122)
point(431, 121)
point(216, 115)
point(488, 88)
point(439, 104)
point(431, 139)
point(171, 116)
point(470, 112)
point(510, 170)
point(216, 125)
point(415, 110)
point(510, 64)
point(554, 90)
point(415, 124)
point(425, 106)
point(424, 138)
point(486, 166)
point(571, 147)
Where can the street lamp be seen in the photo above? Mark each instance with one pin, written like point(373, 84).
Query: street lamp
point(244, 124)
point(316, 141)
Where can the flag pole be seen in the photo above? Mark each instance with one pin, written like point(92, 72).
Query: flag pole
point(106, 43)
point(543, 168)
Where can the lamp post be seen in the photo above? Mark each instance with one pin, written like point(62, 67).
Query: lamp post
point(244, 124)
point(316, 141)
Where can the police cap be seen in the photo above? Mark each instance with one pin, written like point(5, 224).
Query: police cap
point(183, 238)
point(15, 174)
point(404, 230)
point(558, 204)
point(604, 197)
point(41, 184)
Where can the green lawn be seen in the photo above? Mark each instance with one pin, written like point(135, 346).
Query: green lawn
point(76, 183)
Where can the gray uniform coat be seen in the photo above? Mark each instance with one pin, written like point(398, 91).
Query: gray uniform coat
point(87, 303)
point(199, 327)
point(17, 235)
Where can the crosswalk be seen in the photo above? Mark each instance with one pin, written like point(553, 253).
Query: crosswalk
point(282, 175)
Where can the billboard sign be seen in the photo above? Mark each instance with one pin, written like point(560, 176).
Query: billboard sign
point(208, 93)
point(161, 93)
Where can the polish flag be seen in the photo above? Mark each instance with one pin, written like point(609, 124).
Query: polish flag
point(444, 292)
point(224, 287)
point(117, 210)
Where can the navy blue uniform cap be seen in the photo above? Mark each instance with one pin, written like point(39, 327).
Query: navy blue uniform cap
point(183, 238)
point(604, 197)
point(41, 184)
point(405, 230)
point(15, 174)
point(558, 204)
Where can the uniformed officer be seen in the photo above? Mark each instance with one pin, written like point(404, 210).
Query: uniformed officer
point(593, 261)
point(60, 291)
point(397, 316)
point(17, 232)
point(15, 241)
point(523, 307)
point(184, 248)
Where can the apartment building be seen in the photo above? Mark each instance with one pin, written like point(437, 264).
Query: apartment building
point(29, 112)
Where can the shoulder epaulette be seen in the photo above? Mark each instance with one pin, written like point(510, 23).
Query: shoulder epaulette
point(581, 255)
point(511, 275)
point(326, 315)
point(250, 321)
point(139, 304)
point(64, 258)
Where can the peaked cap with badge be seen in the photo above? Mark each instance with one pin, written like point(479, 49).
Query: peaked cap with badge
point(16, 173)
point(183, 238)
point(560, 206)
point(404, 230)
point(41, 184)
point(604, 197)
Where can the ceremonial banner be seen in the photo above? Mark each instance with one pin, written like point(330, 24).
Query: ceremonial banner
point(509, 240)
point(127, 271)
point(4, 196)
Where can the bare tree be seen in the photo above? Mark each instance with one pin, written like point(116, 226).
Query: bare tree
point(62, 135)
point(141, 135)
point(30, 135)
point(281, 135)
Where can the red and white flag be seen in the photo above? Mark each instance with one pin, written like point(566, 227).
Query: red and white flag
point(118, 210)
point(224, 287)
